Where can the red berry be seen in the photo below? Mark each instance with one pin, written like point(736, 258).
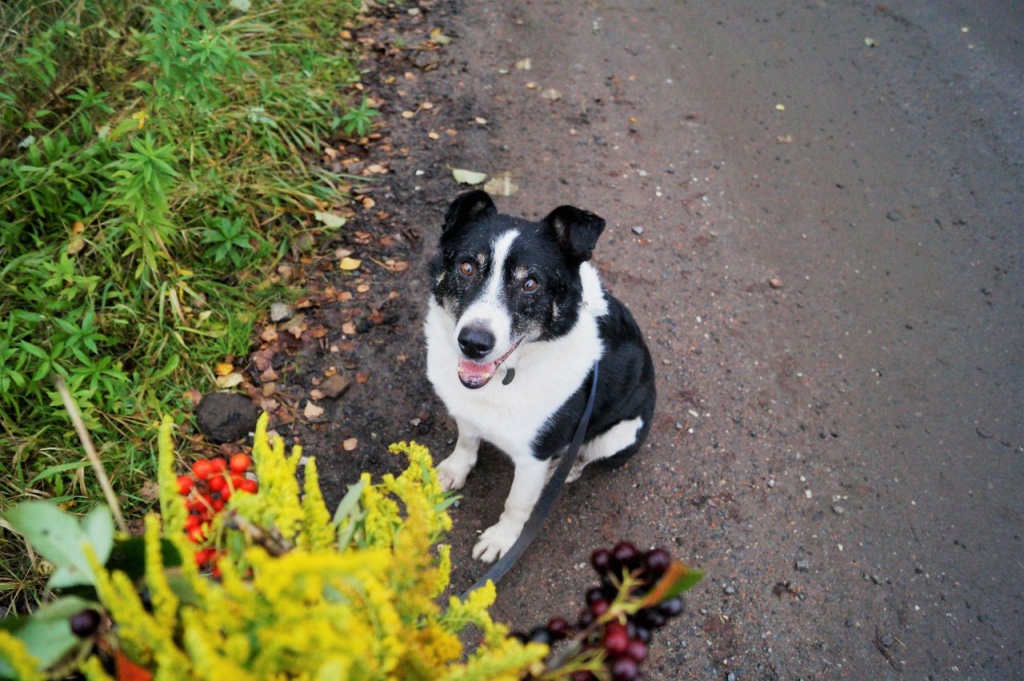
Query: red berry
point(196, 505)
point(185, 484)
point(217, 483)
point(196, 535)
point(219, 464)
point(225, 493)
point(202, 469)
point(236, 480)
point(239, 463)
point(616, 640)
point(250, 486)
point(599, 607)
point(192, 521)
point(218, 505)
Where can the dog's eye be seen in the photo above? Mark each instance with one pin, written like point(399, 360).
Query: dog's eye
point(467, 268)
point(530, 285)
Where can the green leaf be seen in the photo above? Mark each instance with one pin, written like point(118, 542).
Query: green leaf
point(54, 470)
point(47, 633)
point(330, 219)
point(59, 538)
point(677, 579)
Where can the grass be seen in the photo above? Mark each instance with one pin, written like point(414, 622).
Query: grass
point(154, 163)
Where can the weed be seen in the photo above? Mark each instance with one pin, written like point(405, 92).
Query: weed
point(147, 152)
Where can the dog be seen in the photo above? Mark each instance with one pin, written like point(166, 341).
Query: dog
point(516, 319)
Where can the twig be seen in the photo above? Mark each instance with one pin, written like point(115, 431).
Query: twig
point(90, 452)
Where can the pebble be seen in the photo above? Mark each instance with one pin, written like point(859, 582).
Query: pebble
point(638, 230)
point(894, 216)
point(887, 640)
point(803, 565)
point(730, 677)
point(775, 282)
point(729, 590)
point(281, 312)
point(838, 510)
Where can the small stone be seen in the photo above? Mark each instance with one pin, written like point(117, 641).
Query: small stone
point(334, 385)
point(894, 216)
point(775, 282)
point(281, 312)
point(730, 677)
point(729, 590)
point(226, 417)
point(803, 565)
point(838, 510)
point(638, 230)
point(887, 640)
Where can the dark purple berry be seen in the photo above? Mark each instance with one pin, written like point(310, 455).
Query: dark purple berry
point(637, 650)
point(671, 607)
point(623, 669)
point(85, 623)
point(601, 560)
point(581, 675)
point(616, 640)
point(625, 555)
point(642, 634)
point(540, 635)
point(594, 593)
point(585, 619)
point(657, 561)
point(650, 618)
point(559, 628)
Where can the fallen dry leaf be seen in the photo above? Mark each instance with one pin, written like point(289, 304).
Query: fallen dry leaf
point(224, 368)
point(312, 410)
point(362, 377)
point(349, 328)
point(350, 444)
point(501, 185)
point(229, 381)
point(469, 177)
point(348, 264)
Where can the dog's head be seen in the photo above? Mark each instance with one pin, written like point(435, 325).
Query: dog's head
point(506, 281)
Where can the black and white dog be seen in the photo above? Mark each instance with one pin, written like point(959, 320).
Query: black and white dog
point(517, 302)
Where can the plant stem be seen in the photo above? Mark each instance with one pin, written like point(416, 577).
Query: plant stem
point(90, 451)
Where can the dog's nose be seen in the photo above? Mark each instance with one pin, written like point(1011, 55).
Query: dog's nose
point(476, 342)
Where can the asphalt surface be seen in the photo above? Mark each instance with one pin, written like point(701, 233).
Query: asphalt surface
point(814, 211)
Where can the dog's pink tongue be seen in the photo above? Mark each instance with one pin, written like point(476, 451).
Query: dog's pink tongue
point(475, 375)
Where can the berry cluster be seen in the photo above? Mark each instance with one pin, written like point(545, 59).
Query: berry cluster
point(206, 491)
point(616, 625)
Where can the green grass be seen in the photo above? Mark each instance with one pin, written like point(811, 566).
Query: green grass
point(154, 163)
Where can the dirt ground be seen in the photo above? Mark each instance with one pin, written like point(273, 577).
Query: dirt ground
point(814, 209)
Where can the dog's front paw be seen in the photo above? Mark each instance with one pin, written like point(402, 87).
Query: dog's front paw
point(452, 472)
point(496, 540)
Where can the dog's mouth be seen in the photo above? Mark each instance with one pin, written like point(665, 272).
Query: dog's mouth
point(475, 375)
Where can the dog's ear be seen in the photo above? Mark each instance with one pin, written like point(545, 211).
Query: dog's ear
point(466, 208)
point(577, 230)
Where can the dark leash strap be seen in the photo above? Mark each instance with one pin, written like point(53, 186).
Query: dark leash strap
point(547, 499)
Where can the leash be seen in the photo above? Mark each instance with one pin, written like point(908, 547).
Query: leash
point(547, 499)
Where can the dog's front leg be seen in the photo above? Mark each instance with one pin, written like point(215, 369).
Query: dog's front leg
point(452, 472)
point(527, 484)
